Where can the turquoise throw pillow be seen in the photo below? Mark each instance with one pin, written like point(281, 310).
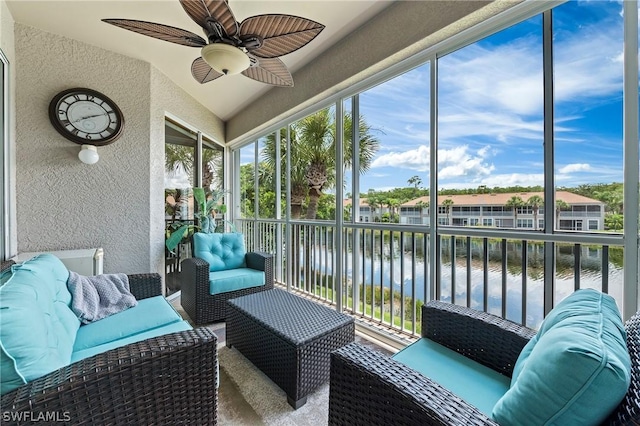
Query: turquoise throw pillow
point(37, 326)
point(575, 371)
point(220, 251)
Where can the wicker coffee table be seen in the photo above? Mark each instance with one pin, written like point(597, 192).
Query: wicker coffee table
point(289, 338)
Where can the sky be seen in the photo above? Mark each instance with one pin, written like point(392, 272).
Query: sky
point(490, 108)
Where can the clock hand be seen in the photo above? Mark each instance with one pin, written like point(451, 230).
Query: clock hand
point(88, 116)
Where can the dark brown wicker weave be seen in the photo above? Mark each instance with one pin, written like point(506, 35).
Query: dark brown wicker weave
point(289, 338)
point(169, 379)
point(368, 388)
point(628, 412)
point(5, 265)
point(203, 307)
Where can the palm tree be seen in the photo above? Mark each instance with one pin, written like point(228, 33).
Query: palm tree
point(312, 154)
point(535, 201)
point(181, 158)
point(560, 205)
point(514, 202)
point(374, 201)
point(422, 205)
point(447, 205)
point(415, 181)
point(393, 204)
point(297, 178)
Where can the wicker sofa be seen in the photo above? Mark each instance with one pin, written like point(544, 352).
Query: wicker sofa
point(204, 295)
point(167, 379)
point(369, 388)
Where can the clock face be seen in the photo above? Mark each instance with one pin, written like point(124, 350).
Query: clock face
point(85, 116)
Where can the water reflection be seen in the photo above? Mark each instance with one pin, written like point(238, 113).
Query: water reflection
point(386, 259)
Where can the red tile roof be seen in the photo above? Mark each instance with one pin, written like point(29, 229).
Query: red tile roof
point(501, 199)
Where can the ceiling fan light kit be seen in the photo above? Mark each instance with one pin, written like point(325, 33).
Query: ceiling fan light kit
point(251, 47)
point(225, 59)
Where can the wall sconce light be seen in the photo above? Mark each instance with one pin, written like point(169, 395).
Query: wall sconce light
point(88, 154)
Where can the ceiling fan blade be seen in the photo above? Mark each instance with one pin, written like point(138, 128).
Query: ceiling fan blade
point(159, 31)
point(202, 72)
point(200, 10)
point(281, 34)
point(271, 71)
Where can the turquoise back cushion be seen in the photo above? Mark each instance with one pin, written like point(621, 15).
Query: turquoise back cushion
point(575, 371)
point(221, 251)
point(38, 327)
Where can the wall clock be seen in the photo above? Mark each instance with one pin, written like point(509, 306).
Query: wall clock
point(86, 117)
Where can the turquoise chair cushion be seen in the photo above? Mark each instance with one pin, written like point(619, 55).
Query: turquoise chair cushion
point(575, 371)
point(38, 327)
point(220, 251)
point(478, 385)
point(148, 314)
point(234, 279)
point(159, 331)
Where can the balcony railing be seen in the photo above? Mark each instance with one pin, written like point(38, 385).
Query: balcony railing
point(384, 269)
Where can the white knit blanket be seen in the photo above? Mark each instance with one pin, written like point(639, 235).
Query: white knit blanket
point(99, 296)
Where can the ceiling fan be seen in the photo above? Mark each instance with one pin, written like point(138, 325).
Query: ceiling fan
point(251, 47)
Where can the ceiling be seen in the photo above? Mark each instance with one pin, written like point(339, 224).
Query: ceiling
point(224, 96)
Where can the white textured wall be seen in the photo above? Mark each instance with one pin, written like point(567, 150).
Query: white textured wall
point(61, 202)
point(118, 203)
point(8, 48)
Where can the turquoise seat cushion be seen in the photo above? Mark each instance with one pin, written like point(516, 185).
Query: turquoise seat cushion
point(220, 251)
point(234, 279)
point(166, 329)
point(575, 371)
point(38, 328)
point(478, 385)
point(148, 314)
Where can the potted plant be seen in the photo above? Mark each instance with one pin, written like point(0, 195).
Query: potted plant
point(207, 209)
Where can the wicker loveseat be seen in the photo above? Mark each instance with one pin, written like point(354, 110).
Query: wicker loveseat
point(369, 388)
point(221, 270)
point(167, 379)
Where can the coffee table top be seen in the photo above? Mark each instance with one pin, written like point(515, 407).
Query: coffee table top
point(296, 319)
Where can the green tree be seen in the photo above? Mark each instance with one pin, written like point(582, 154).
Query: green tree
point(613, 197)
point(181, 158)
point(535, 201)
point(415, 181)
point(299, 188)
point(614, 221)
point(422, 205)
point(312, 151)
point(374, 201)
point(514, 203)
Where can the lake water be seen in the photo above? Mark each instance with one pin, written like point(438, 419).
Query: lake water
point(374, 268)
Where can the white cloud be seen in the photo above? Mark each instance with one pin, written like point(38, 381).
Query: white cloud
point(576, 167)
point(490, 109)
point(511, 179)
point(455, 162)
point(415, 159)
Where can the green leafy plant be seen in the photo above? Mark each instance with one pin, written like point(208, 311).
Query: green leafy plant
point(207, 208)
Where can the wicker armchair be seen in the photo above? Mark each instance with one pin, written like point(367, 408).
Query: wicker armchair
point(203, 307)
point(368, 388)
point(169, 379)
